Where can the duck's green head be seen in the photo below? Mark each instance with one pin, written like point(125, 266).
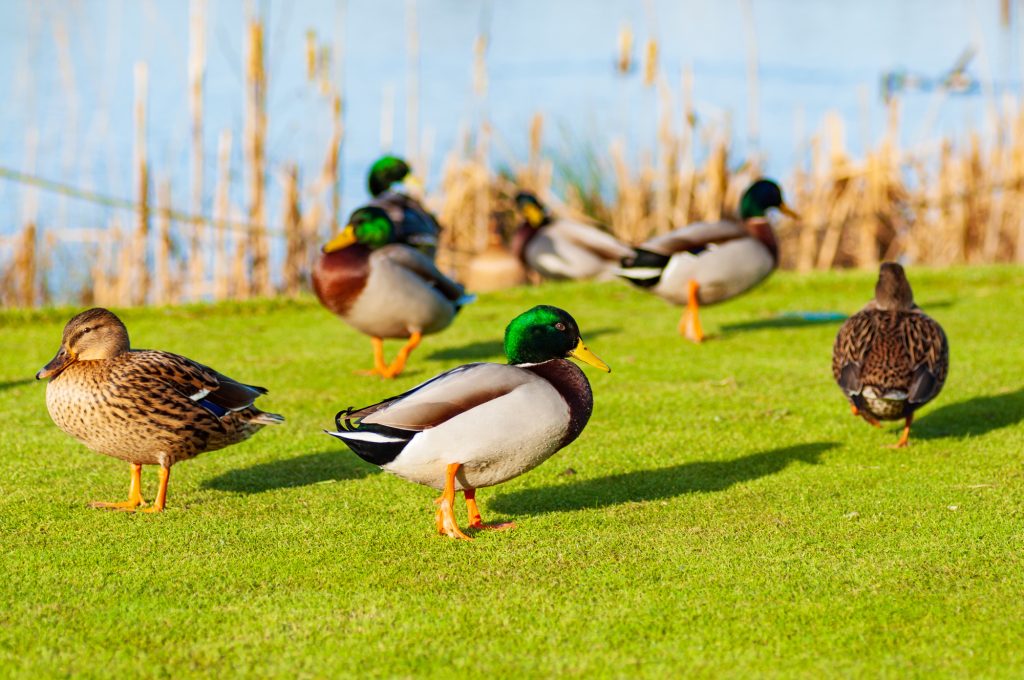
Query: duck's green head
point(389, 170)
point(544, 333)
point(370, 226)
point(761, 196)
point(532, 209)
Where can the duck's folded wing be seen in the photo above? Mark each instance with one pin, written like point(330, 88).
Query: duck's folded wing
point(694, 238)
point(422, 266)
point(929, 352)
point(601, 243)
point(855, 338)
point(211, 390)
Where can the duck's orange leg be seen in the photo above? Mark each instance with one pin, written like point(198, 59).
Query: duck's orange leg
point(689, 324)
point(905, 437)
point(161, 494)
point(134, 493)
point(475, 522)
point(403, 355)
point(446, 523)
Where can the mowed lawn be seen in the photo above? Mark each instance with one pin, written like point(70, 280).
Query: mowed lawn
point(722, 514)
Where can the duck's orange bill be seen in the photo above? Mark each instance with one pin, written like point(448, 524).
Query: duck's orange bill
point(586, 356)
point(56, 365)
point(788, 212)
point(343, 240)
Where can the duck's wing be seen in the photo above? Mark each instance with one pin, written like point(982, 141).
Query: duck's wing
point(379, 432)
point(853, 341)
point(209, 389)
point(929, 353)
point(422, 266)
point(588, 237)
point(695, 238)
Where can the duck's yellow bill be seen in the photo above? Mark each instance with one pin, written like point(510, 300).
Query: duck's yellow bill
point(343, 240)
point(788, 212)
point(533, 214)
point(586, 356)
point(414, 182)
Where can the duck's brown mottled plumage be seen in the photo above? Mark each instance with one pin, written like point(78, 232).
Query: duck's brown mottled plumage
point(143, 406)
point(890, 358)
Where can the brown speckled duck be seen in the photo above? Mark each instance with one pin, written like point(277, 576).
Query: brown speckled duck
point(890, 358)
point(384, 289)
point(143, 406)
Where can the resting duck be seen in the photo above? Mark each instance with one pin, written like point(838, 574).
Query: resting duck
point(143, 406)
point(482, 424)
point(414, 224)
point(563, 249)
point(384, 289)
point(706, 263)
point(890, 358)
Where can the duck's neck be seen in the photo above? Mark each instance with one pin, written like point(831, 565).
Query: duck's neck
point(572, 384)
point(761, 229)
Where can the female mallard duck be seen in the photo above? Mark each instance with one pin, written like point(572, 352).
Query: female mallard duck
point(143, 406)
point(414, 224)
point(890, 358)
point(482, 424)
point(384, 289)
point(564, 249)
point(706, 263)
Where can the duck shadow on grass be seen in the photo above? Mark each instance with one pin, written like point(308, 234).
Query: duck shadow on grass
point(490, 349)
point(782, 322)
point(8, 384)
point(660, 483)
point(312, 468)
point(971, 418)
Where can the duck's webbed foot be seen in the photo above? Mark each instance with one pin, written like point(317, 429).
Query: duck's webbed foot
point(445, 517)
point(475, 522)
point(134, 494)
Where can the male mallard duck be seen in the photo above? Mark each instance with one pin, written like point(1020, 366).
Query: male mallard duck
point(384, 289)
point(705, 263)
point(143, 406)
point(482, 424)
point(557, 248)
point(414, 224)
point(890, 358)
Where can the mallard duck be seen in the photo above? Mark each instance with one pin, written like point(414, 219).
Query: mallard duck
point(890, 358)
point(414, 224)
point(384, 289)
point(558, 248)
point(710, 262)
point(143, 406)
point(482, 424)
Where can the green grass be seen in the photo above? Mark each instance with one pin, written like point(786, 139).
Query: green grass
point(722, 513)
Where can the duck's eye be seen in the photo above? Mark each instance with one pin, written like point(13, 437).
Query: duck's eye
point(86, 330)
point(560, 326)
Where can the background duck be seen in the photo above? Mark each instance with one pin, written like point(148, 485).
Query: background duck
point(384, 289)
point(890, 358)
point(709, 262)
point(143, 406)
point(414, 224)
point(558, 248)
point(482, 424)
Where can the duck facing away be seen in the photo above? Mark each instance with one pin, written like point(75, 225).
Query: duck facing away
point(145, 407)
point(414, 224)
point(384, 289)
point(558, 248)
point(890, 358)
point(710, 262)
point(482, 424)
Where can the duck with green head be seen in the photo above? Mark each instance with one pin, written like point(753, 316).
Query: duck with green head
point(382, 288)
point(561, 248)
point(709, 262)
point(414, 224)
point(482, 424)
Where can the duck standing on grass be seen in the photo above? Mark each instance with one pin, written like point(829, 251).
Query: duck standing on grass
point(558, 248)
point(710, 262)
point(482, 424)
point(143, 406)
point(414, 224)
point(890, 358)
point(384, 289)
